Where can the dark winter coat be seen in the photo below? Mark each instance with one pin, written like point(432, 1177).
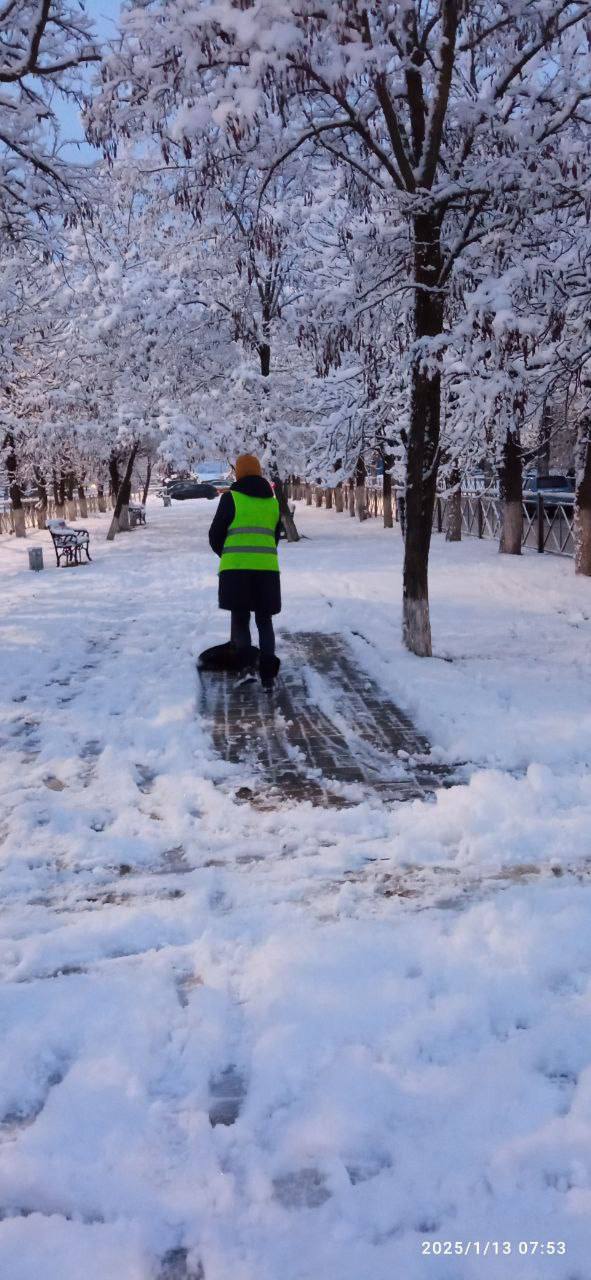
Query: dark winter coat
point(245, 589)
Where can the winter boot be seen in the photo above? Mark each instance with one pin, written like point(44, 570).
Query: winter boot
point(246, 676)
point(269, 669)
point(245, 666)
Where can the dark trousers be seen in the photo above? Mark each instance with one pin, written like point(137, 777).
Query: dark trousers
point(241, 631)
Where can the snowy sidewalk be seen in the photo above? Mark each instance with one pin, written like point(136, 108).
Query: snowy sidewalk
point(247, 1042)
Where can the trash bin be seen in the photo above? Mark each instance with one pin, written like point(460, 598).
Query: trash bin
point(167, 500)
point(36, 558)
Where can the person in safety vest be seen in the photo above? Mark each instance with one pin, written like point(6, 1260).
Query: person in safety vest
point(244, 534)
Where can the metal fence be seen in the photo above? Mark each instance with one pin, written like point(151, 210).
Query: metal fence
point(548, 524)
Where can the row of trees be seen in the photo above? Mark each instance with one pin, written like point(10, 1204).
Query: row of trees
point(326, 232)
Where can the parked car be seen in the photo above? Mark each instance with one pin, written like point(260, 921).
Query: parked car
point(215, 473)
point(556, 490)
point(184, 489)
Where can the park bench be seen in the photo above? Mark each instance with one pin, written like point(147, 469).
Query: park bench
point(68, 543)
point(137, 514)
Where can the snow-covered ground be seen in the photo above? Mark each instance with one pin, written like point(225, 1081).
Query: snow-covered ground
point(393, 1003)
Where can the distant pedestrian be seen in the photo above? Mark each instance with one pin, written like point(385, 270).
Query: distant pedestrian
point(244, 534)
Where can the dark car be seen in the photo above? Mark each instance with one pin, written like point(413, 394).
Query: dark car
point(556, 490)
point(181, 490)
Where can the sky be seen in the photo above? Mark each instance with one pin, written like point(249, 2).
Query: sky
point(105, 14)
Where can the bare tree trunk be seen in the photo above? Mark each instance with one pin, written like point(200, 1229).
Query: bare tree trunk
point(19, 523)
point(352, 498)
point(83, 503)
point(123, 525)
point(545, 441)
point(100, 495)
point(115, 479)
point(147, 484)
point(308, 494)
point(583, 500)
point(287, 519)
point(60, 509)
point(328, 493)
point(338, 496)
point(71, 503)
point(511, 490)
point(423, 440)
point(453, 511)
point(123, 496)
point(14, 488)
point(360, 489)
point(62, 494)
point(42, 499)
point(387, 494)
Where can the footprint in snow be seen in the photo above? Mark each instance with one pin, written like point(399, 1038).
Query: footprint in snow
point(365, 1170)
point(145, 778)
point(185, 984)
point(175, 860)
point(22, 1117)
point(219, 901)
point(175, 1265)
point(228, 1091)
point(305, 1189)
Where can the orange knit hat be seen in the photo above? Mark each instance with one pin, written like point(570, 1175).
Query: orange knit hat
point(247, 465)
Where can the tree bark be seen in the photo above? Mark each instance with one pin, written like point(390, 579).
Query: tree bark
point(338, 496)
point(318, 495)
point(511, 491)
point(82, 502)
point(328, 493)
point(308, 495)
point(121, 510)
point(147, 484)
point(14, 488)
point(423, 439)
point(360, 489)
point(19, 523)
point(387, 495)
point(115, 479)
point(59, 510)
point(352, 498)
point(100, 496)
point(582, 528)
point(41, 499)
point(545, 441)
point(287, 519)
point(453, 512)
